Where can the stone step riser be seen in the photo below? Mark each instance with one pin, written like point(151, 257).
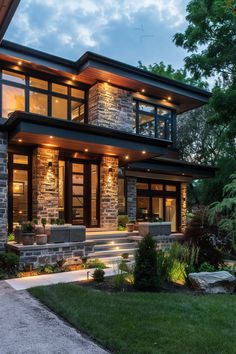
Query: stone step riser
point(108, 241)
point(106, 254)
point(113, 247)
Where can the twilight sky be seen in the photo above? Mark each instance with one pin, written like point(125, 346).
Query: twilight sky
point(126, 30)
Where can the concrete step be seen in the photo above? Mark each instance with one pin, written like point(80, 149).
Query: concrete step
point(109, 240)
point(115, 246)
point(111, 253)
point(108, 234)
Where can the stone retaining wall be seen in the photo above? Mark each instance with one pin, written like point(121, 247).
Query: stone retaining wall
point(3, 190)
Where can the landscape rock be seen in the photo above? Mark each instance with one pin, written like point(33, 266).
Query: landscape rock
point(220, 282)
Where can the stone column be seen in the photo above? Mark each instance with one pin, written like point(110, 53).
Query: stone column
point(131, 198)
point(183, 197)
point(109, 193)
point(110, 107)
point(45, 183)
point(3, 190)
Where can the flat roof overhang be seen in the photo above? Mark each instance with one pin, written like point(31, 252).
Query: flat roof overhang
point(7, 10)
point(185, 170)
point(91, 68)
point(32, 129)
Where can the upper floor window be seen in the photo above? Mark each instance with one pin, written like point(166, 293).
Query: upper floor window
point(153, 121)
point(30, 94)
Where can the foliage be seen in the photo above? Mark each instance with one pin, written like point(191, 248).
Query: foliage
point(122, 221)
point(11, 237)
point(27, 227)
point(43, 221)
point(207, 238)
point(95, 263)
point(139, 323)
point(206, 267)
point(164, 266)
point(145, 271)
point(168, 71)
point(224, 213)
point(98, 275)
point(48, 268)
point(35, 221)
point(9, 262)
point(125, 255)
point(119, 281)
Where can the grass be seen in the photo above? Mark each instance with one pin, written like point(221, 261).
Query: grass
point(160, 323)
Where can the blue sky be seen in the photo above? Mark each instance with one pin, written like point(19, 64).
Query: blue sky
point(126, 30)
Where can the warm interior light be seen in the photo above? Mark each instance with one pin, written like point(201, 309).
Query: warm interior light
point(19, 62)
point(143, 152)
point(19, 140)
point(56, 101)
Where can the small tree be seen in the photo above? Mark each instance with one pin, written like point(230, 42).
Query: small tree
point(145, 271)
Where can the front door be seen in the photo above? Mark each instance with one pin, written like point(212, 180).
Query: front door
point(79, 192)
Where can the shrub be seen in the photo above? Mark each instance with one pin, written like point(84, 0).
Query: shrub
point(122, 221)
point(145, 271)
point(98, 275)
point(119, 281)
point(95, 263)
point(210, 241)
point(9, 262)
point(206, 267)
point(10, 237)
point(164, 266)
point(27, 227)
point(125, 255)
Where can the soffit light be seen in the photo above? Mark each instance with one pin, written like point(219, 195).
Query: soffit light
point(143, 90)
point(169, 98)
point(51, 137)
point(127, 157)
point(19, 62)
point(86, 150)
point(19, 140)
point(73, 78)
point(143, 152)
point(108, 80)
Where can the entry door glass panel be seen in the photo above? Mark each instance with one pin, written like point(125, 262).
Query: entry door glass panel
point(20, 195)
point(170, 206)
point(143, 208)
point(94, 194)
point(157, 207)
point(78, 193)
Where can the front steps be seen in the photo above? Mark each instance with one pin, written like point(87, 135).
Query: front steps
point(110, 245)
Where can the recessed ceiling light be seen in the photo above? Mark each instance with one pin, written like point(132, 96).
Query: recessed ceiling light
point(169, 98)
point(143, 152)
point(143, 90)
point(19, 140)
point(73, 78)
point(19, 62)
point(127, 157)
point(108, 80)
point(56, 101)
point(51, 137)
point(86, 150)
point(148, 169)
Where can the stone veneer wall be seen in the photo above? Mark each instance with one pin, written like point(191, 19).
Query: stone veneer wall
point(183, 206)
point(109, 193)
point(110, 107)
point(3, 190)
point(131, 198)
point(45, 183)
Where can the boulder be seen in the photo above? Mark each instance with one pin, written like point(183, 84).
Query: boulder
point(221, 282)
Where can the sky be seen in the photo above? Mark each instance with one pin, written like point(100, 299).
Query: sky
point(125, 30)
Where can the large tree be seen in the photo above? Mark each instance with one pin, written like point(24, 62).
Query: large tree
point(210, 39)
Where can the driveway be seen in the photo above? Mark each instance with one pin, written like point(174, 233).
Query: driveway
point(27, 327)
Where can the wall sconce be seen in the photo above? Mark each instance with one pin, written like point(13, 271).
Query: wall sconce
point(49, 164)
point(110, 169)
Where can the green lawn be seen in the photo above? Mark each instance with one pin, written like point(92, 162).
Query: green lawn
point(157, 323)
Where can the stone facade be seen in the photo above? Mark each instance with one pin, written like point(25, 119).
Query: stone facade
point(110, 107)
point(45, 183)
point(3, 190)
point(109, 193)
point(183, 198)
point(37, 255)
point(131, 198)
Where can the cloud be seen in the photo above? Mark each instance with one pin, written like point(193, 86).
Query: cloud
point(87, 21)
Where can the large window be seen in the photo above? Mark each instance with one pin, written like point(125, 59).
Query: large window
point(30, 94)
point(159, 201)
point(153, 121)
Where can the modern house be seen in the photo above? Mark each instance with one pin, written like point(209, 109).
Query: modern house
point(88, 140)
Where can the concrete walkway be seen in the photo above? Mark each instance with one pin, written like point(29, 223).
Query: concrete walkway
point(49, 279)
point(27, 327)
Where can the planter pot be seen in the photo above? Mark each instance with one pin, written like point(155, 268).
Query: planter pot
point(76, 233)
point(41, 239)
point(58, 234)
point(155, 228)
point(17, 234)
point(130, 227)
point(27, 238)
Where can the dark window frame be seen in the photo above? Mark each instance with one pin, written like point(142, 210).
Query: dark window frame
point(171, 120)
point(27, 89)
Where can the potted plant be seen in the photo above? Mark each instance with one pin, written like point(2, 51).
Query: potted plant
point(17, 234)
point(44, 222)
point(41, 239)
point(130, 226)
point(27, 233)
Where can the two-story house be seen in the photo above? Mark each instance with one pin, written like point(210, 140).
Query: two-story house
point(90, 139)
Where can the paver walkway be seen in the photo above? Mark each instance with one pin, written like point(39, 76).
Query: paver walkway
point(27, 327)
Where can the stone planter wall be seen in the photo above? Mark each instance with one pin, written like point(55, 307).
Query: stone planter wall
point(39, 255)
point(154, 228)
point(3, 190)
